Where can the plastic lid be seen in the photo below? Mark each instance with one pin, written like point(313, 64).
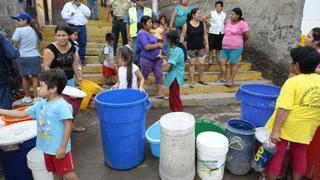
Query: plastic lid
point(73, 92)
point(18, 133)
point(2, 123)
point(262, 134)
point(213, 140)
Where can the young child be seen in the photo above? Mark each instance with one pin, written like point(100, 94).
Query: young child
point(175, 67)
point(74, 39)
point(109, 69)
point(163, 24)
point(54, 119)
point(129, 74)
point(157, 32)
point(296, 116)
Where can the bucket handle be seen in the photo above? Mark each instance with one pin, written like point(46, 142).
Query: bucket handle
point(10, 147)
point(235, 143)
point(148, 105)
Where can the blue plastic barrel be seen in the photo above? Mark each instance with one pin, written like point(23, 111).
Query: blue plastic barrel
point(242, 141)
point(122, 115)
point(14, 161)
point(257, 102)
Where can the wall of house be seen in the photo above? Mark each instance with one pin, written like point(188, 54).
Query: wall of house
point(275, 28)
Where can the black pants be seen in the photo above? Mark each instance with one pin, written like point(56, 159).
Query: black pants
point(117, 27)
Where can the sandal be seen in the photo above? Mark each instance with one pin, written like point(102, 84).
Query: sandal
point(78, 129)
point(202, 82)
point(191, 85)
point(161, 97)
point(229, 84)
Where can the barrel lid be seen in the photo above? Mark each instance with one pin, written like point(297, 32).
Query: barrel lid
point(212, 140)
point(18, 133)
point(2, 123)
point(73, 92)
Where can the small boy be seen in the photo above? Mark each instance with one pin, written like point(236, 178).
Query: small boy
point(109, 69)
point(157, 32)
point(296, 116)
point(54, 120)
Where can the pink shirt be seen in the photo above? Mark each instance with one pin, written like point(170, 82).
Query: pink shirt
point(233, 36)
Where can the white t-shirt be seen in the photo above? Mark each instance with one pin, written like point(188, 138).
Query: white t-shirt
point(122, 73)
point(28, 41)
point(217, 22)
point(108, 50)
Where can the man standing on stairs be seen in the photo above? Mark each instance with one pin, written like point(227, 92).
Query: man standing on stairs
point(93, 6)
point(133, 25)
point(76, 14)
point(119, 9)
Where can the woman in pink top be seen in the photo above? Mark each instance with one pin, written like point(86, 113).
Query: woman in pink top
point(236, 33)
point(313, 40)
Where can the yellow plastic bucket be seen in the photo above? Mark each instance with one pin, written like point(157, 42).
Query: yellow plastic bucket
point(90, 88)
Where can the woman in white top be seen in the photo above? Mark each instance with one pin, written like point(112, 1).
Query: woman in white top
point(216, 19)
point(128, 73)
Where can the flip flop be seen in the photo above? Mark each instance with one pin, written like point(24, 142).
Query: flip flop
point(191, 85)
point(78, 129)
point(161, 97)
point(229, 84)
point(202, 82)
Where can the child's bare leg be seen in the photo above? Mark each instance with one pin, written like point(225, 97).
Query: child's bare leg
point(71, 176)
point(56, 177)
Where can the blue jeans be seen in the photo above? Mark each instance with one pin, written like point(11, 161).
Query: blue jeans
point(93, 6)
point(136, 51)
point(5, 96)
point(82, 40)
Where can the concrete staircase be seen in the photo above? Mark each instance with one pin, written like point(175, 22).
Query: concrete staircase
point(200, 95)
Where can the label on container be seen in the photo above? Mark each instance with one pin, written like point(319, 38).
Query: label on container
point(262, 157)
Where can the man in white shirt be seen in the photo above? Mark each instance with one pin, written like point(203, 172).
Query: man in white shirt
point(76, 14)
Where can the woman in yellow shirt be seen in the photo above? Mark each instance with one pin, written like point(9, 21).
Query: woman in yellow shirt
point(297, 113)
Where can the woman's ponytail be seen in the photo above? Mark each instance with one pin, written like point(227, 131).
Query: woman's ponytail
point(35, 26)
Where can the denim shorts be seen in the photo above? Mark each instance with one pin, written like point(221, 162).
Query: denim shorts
point(233, 55)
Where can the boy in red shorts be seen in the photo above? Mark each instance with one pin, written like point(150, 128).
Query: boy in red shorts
point(296, 117)
point(54, 120)
point(108, 67)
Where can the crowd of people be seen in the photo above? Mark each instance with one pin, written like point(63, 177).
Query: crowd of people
point(157, 45)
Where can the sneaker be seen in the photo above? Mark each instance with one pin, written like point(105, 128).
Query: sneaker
point(229, 84)
point(221, 81)
point(26, 100)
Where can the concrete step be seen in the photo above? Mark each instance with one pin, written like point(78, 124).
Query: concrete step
point(97, 68)
point(203, 89)
point(204, 100)
point(94, 33)
point(208, 76)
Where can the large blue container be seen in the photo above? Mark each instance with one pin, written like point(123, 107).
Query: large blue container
point(122, 115)
point(242, 141)
point(14, 161)
point(257, 102)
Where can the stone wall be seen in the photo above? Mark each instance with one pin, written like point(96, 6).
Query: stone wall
point(275, 29)
point(8, 9)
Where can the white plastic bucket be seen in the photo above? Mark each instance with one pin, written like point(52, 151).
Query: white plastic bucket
point(212, 149)
point(177, 146)
point(37, 165)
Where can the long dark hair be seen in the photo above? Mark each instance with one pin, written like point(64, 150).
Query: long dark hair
point(316, 34)
point(173, 37)
point(143, 21)
point(238, 12)
point(193, 12)
point(35, 26)
point(127, 56)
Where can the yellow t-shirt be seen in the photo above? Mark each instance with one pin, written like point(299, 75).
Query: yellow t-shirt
point(301, 96)
point(157, 33)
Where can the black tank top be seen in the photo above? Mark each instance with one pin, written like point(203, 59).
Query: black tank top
point(63, 61)
point(195, 36)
